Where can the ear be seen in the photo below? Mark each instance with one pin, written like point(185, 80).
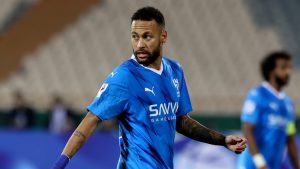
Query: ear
point(164, 36)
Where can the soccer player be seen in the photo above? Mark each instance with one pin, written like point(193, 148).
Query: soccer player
point(268, 117)
point(148, 95)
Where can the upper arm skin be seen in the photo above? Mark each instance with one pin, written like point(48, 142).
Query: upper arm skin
point(248, 130)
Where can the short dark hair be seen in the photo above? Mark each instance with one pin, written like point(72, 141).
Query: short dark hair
point(268, 64)
point(148, 14)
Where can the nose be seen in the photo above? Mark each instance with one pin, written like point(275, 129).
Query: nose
point(288, 71)
point(141, 43)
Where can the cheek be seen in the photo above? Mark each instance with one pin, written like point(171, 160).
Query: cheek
point(133, 44)
point(155, 44)
point(282, 73)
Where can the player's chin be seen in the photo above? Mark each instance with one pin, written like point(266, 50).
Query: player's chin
point(143, 61)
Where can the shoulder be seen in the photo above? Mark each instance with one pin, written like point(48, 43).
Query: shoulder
point(174, 65)
point(171, 62)
point(256, 93)
point(289, 99)
point(253, 101)
point(119, 74)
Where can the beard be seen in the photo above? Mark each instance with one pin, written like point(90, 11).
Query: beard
point(282, 81)
point(152, 57)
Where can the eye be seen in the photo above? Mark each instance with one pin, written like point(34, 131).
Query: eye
point(148, 37)
point(134, 36)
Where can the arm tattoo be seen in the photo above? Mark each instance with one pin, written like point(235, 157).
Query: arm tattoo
point(194, 130)
point(79, 134)
point(79, 142)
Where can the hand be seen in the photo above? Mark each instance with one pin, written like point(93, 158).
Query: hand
point(264, 167)
point(236, 144)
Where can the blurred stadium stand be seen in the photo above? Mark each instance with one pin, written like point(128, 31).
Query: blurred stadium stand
point(12, 10)
point(218, 43)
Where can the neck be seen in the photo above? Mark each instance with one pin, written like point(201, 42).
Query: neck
point(156, 64)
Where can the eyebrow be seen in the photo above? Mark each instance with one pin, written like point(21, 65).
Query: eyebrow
point(144, 33)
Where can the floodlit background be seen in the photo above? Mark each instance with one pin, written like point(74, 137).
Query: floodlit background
point(54, 55)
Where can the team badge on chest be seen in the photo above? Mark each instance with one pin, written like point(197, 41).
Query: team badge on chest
point(176, 84)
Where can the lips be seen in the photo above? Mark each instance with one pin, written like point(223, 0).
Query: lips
point(142, 54)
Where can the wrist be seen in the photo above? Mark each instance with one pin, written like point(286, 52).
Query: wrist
point(224, 141)
point(62, 162)
point(259, 160)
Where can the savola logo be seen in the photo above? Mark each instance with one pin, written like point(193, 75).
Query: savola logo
point(163, 109)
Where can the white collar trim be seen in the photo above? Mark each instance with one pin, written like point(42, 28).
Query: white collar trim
point(153, 70)
point(279, 95)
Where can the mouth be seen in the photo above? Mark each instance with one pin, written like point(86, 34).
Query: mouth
point(142, 55)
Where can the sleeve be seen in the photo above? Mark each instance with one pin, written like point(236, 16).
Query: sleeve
point(251, 108)
point(112, 97)
point(185, 105)
point(291, 126)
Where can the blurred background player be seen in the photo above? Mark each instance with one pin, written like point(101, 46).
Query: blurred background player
point(21, 115)
point(149, 97)
point(60, 117)
point(268, 117)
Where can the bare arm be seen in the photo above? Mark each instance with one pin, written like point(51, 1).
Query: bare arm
point(292, 151)
point(248, 130)
point(81, 134)
point(194, 130)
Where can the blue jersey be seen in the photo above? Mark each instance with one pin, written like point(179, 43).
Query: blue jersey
point(271, 113)
point(146, 103)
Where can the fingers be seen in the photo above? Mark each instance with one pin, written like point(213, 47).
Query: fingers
point(242, 144)
point(240, 140)
point(237, 144)
point(243, 141)
point(231, 139)
point(240, 148)
point(237, 138)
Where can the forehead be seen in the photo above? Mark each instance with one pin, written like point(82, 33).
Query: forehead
point(142, 26)
point(282, 61)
